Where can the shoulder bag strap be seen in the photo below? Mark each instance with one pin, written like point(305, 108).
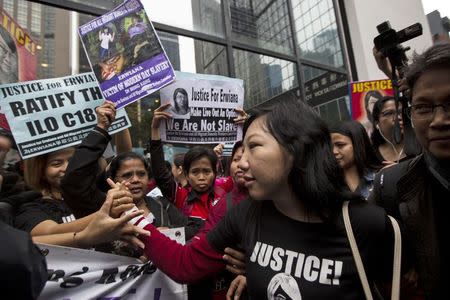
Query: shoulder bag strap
point(395, 293)
point(355, 252)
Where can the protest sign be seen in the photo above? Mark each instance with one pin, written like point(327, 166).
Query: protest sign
point(86, 274)
point(202, 107)
point(51, 114)
point(125, 54)
point(18, 55)
point(363, 96)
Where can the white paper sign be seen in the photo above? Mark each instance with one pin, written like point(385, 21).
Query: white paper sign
point(202, 107)
point(52, 114)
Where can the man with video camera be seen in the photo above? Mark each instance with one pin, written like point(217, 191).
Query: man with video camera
point(417, 191)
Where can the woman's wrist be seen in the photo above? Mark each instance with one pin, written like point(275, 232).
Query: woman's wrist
point(80, 240)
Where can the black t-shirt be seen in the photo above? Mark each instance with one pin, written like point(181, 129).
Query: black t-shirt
point(33, 213)
point(299, 260)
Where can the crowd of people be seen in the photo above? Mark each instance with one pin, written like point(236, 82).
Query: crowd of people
point(275, 227)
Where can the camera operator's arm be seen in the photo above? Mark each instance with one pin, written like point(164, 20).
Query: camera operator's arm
point(385, 66)
point(382, 62)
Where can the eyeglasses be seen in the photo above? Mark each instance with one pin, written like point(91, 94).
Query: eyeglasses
point(390, 113)
point(426, 111)
point(129, 175)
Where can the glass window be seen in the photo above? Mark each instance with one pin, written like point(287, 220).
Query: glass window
point(264, 76)
point(263, 24)
point(196, 15)
point(319, 41)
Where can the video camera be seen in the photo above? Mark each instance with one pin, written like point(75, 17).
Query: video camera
point(388, 42)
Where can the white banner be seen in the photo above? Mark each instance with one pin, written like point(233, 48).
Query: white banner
point(202, 109)
point(52, 114)
point(86, 274)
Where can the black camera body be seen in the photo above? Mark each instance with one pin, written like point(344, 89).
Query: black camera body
point(389, 41)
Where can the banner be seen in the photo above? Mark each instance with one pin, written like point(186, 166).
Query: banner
point(364, 95)
point(86, 274)
point(125, 54)
point(18, 55)
point(202, 109)
point(52, 114)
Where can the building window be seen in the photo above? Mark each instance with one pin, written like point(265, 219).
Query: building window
point(264, 76)
point(264, 24)
point(317, 33)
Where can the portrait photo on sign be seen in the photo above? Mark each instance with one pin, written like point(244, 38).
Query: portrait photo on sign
point(178, 97)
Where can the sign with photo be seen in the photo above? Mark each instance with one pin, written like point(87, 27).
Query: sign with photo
point(202, 107)
point(125, 54)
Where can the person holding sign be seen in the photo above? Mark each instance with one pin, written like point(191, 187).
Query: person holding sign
point(200, 168)
point(49, 220)
point(293, 225)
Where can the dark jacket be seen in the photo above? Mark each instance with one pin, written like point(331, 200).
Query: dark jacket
point(404, 190)
point(23, 271)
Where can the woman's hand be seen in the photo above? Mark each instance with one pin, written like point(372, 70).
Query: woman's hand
point(237, 287)
point(106, 114)
point(235, 261)
point(241, 116)
point(103, 228)
point(159, 114)
point(218, 150)
point(122, 200)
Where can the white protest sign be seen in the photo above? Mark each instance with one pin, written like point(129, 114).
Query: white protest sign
point(202, 109)
point(87, 274)
point(52, 114)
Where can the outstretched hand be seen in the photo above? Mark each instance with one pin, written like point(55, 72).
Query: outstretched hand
point(160, 114)
point(122, 199)
point(237, 287)
point(104, 228)
point(235, 261)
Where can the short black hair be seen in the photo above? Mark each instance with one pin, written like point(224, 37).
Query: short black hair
point(435, 57)
point(197, 153)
